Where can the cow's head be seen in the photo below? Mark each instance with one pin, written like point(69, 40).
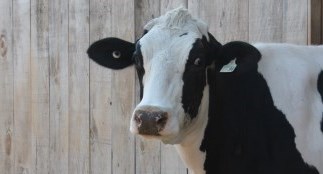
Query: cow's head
point(171, 60)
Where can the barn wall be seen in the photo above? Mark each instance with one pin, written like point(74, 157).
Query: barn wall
point(61, 113)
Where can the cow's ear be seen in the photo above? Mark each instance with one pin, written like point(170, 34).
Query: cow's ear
point(112, 53)
point(212, 47)
point(238, 57)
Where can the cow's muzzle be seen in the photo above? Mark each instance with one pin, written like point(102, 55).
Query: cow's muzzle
point(150, 121)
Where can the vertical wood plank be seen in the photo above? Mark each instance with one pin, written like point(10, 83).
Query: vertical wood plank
point(166, 5)
point(171, 162)
point(265, 20)
point(78, 86)
point(123, 92)
point(315, 21)
point(295, 21)
point(145, 10)
point(23, 131)
point(148, 160)
point(58, 54)
point(100, 93)
point(40, 83)
point(227, 20)
point(6, 89)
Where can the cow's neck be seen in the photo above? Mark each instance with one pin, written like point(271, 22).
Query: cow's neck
point(189, 148)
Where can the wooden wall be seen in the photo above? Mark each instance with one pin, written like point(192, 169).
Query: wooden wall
point(63, 114)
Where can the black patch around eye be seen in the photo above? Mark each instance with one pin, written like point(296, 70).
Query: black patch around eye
point(194, 79)
point(139, 64)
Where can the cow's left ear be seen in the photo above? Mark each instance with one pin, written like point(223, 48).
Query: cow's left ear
point(112, 53)
point(237, 56)
point(212, 48)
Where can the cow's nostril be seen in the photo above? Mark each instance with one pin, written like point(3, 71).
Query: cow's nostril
point(138, 119)
point(161, 120)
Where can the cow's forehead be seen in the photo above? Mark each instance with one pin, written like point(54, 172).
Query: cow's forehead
point(171, 36)
point(178, 19)
point(167, 44)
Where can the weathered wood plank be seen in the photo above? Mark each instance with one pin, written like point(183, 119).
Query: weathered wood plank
point(145, 10)
point(78, 66)
point(123, 92)
point(265, 21)
point(166, 5)
point(315, 21)
point(227, 20)
point(147, 152)
point(100, 93)
point(58, 54)
point(171, 162)
point(295, 21)
point(40, 83)
point(23, 130)
point(6, 89)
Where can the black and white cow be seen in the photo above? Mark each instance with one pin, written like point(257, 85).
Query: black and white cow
point(228, 109)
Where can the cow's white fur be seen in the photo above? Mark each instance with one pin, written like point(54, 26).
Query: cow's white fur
point(291, 73)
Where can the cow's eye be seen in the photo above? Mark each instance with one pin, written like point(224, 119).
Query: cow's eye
point(116, 54)
point(197, 62)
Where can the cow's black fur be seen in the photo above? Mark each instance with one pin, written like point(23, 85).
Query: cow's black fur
point(194, 79)
point(246, 133)
point(194, 76)
point(320, 89)
point(139, 64)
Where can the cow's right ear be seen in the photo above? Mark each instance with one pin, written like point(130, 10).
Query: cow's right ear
point(112, 53)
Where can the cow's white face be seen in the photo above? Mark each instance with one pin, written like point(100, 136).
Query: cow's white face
point(171, 60)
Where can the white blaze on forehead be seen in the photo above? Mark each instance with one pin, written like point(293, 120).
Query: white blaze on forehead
point(179, 19)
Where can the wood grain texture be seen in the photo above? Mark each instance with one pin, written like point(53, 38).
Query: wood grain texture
point(58, 55)
point(40, 84)
point(171, 162)
point(123, 92)
point(295, 21)
point(228, 22)
point(315, 22)
point(265, 21)
point(166, 5)
point(100, 93)
point(23, 130)
point(78, 99)
point(6, 89)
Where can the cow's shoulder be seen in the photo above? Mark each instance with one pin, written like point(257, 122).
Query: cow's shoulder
point(293, 75)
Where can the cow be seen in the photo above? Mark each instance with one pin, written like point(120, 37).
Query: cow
point(233, 108)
